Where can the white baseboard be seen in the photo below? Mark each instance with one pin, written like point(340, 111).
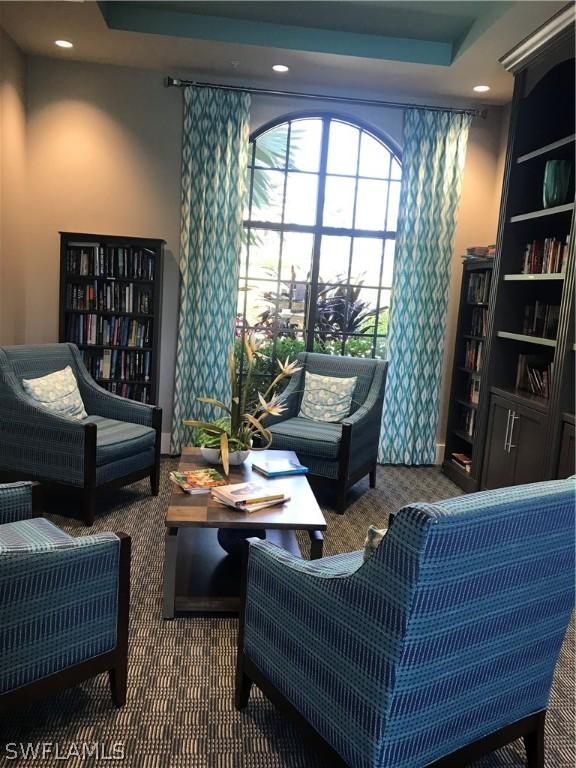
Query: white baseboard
point(439, 453)
point(165, 443)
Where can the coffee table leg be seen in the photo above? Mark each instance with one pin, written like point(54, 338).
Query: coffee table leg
point(170, 551)
point(316, 544)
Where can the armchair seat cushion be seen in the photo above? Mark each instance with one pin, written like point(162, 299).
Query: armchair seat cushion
point(31, 536)
point(117, 440)
point(313, 438)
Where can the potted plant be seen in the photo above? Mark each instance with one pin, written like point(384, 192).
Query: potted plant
point(229, 439)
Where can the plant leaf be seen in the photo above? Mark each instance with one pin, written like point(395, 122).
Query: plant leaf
point(224, 454)
point(266, 434)
point(212, 401)
point(206, 426)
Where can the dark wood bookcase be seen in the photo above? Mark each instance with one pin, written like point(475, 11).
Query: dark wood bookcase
point(468, 377)
point(111, 308)
point(525, 420)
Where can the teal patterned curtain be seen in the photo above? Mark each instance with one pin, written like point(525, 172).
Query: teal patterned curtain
point(434, 148)
point(214, 163)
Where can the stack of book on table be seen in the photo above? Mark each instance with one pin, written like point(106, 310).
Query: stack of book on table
point(278, 467)
point(250, 497)
point(198, 480)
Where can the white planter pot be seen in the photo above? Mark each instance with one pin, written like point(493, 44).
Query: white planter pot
point(212, 456)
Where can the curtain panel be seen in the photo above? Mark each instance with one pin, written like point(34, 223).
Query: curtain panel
point(214, 167)
point(434, 149)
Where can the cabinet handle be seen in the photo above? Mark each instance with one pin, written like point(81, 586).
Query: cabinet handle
point(512, 422)
point(507, 428)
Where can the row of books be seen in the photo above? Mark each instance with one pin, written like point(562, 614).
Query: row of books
point(541, 320)
point(542, 257)
point(462, 461)
point(109, 297)
point(139, 392)
point(94, 259)
point(467, 421)
point(534, 375)
point(479, 287)
point(473, 391)
point(119, 364)
point(473, 355)
point(479, 321)
point(112, 331)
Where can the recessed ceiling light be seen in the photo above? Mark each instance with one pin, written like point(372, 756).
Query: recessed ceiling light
point(280, 68)
point(63, 44)
point(481, 88)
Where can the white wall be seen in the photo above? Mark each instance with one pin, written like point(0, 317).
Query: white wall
point(104, 150)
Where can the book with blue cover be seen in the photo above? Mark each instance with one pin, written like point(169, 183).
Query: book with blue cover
point(279, 467)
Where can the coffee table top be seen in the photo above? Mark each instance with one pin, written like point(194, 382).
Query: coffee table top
point(301, 512)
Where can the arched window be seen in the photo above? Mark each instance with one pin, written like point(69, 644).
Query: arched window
point(316, 269)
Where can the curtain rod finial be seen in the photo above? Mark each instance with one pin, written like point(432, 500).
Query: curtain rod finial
point(171, 81)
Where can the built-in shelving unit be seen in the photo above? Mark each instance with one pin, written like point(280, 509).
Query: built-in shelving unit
point(469, 355)
point(523, 418)
point(111, 308)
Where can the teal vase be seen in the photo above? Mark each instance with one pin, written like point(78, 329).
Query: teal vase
point(556, 189)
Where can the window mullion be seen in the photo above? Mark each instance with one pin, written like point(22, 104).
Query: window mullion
point(313, 297)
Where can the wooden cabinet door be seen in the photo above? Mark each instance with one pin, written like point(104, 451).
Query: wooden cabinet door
point(567, 449)
point(498, 462)
point(527, 443)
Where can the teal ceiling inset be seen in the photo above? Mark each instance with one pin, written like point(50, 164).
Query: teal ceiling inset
point(430, 32)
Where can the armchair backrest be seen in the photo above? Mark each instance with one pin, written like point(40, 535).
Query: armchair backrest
point(335, 365)
point(32, 361)
point(478, 591)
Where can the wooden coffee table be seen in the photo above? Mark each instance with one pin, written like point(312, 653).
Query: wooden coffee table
point(199, 576)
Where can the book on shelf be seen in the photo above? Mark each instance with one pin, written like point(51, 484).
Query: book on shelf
point(462, 461)
point(473, 391)
point(541, 320)
point(106, 296)
point(534, 375)
point(118, 364)
point(479, 321)
point(198, 480)
point(473, 355)
point(108, 331)
point(278, 467)
point(111, 262)
point(479, 287)
point(467, 421)
point(249, 497)
point(544, 257)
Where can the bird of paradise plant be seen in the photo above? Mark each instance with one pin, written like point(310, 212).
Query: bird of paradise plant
point(236, 431)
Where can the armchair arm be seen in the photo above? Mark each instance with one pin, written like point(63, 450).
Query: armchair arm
point(60, 601)
point(36, 441)
point(361, 430)
point(291, 397)
point(15, 502)
point(99, 402)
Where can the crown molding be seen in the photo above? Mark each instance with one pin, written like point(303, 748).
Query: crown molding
point(519, 56)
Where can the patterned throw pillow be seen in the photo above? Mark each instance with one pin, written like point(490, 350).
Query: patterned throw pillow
point(372, 542)
point(58, 392)
point(327, 398)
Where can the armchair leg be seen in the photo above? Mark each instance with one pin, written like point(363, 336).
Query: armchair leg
point(89, 505)
point(534, 744)
point(373, 478)
point(243, 685)
point(341, 496)
point(118, 683)
point(155, 480)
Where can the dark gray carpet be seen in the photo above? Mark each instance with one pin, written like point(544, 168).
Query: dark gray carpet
point(180, 710)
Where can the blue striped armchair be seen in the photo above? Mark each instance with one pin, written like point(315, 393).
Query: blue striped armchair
point(338, 453)
point(439, 648)
point(63, 601)
point(117, 444)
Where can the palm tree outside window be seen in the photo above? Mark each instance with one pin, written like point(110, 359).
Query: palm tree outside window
point(317, 263)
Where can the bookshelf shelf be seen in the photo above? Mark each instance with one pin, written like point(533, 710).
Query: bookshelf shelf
point(525, 338)
point(463, 436)
point(547, 148)
point(472, 338)
point(116, 272)
point(567, 208)
point(114, 346)
point(466, 403)
point(467, 370)
point(536, 402)
point(533, 278)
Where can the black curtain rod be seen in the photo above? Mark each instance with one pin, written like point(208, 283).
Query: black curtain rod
point(173, 82)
